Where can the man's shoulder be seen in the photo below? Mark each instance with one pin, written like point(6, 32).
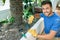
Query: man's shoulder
point(41, 15)
point(55, 14)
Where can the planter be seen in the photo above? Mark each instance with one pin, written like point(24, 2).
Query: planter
point(38, 26)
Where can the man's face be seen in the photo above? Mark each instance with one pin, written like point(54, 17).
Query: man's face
point(47, 9)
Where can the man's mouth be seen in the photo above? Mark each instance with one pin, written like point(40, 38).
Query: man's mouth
point(47, 14)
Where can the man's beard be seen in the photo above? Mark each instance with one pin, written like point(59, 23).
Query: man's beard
point(47, 13)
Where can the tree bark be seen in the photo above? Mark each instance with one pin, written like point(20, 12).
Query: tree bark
point(16, 8)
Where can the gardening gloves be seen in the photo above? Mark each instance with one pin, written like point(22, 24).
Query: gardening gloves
point(33, 32)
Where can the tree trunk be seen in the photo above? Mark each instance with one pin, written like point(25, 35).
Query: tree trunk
point(16, 8)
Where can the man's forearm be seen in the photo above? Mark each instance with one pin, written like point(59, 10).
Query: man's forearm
point(47, 37)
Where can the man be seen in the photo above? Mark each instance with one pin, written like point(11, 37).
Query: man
point(51, 22)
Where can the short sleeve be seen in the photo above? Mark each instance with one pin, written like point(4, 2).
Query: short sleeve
point(56, 26)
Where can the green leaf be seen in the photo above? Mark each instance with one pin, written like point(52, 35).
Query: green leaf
point(5, 21)
point(3, 1)
point(11, 20)
point(26, 1)
point(30, 0)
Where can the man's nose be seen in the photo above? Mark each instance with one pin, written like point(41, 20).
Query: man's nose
point(45, 10)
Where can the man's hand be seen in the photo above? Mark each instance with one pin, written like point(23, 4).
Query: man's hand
point(30, 19)
point(33, 32)
point(49, 36)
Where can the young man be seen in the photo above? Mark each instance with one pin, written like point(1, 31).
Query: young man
point(52, 25)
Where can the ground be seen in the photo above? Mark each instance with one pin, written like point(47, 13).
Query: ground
point(11, 33)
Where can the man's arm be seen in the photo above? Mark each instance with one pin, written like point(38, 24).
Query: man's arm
point(48, 36)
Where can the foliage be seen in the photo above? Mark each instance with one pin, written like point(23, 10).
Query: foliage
point(39, 3)
point(28, 9)
point(9, 20)
point(3, 1)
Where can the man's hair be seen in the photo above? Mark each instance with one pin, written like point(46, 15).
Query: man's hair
point(46, 2)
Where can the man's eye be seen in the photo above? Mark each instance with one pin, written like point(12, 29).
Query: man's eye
point(47, 8)
point(42, 8)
